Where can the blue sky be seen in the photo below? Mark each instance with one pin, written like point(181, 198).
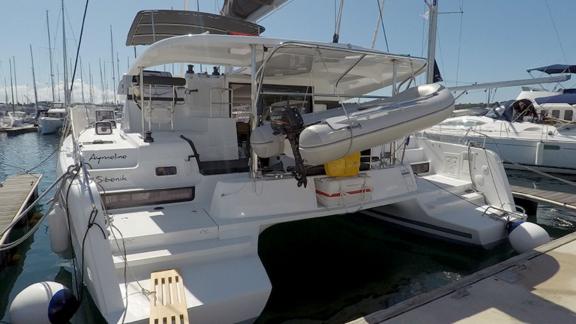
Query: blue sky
point(499, 39)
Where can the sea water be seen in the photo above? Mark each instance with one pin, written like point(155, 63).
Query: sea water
point(330, 269)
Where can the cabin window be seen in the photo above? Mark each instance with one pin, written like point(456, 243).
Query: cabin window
point(166, 171)
point(568, 115)
point(556, 113)
point(147, 197)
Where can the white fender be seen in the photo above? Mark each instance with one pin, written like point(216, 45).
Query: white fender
point(58, 231)
point(44, 302)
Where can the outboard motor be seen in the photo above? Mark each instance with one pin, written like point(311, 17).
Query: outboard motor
point(288, 121)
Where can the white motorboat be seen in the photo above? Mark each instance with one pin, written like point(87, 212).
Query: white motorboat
point(51, 121)
point(164, 213)
point(13, 119)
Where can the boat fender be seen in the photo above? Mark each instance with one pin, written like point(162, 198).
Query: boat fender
point(525, 236)
point(58, 231)
point(265, 143)
point(43, 302)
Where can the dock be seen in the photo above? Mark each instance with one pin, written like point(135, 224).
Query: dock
point(533, 287)
point(16, 192)
point(11, 131)
point(559, 199)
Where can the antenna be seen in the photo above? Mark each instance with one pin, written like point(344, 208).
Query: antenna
point(50, 54)
point(34, 81)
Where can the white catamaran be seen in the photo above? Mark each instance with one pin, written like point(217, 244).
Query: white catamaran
point(164, 210)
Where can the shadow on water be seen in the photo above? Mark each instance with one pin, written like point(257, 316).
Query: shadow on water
point(320, 267)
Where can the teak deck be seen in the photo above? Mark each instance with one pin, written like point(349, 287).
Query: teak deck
point(15, 194)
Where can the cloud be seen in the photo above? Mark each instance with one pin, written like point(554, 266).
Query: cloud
point(26, 93)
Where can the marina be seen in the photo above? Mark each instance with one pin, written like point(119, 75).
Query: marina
point(228, 169)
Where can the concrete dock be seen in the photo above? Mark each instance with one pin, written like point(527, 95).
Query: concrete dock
point(535, 287)
point(16, 192)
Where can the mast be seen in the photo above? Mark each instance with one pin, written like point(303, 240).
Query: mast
point(58, 81)
point(65, 59)
point(91, 84)
point(12, 87)
point(118, 70)
point(113, 69)
point(15, 79)
point(34, 81)
point(82, 83)
point(432, 26)
point(50, 55)
point(102, 81)
point(5, 91)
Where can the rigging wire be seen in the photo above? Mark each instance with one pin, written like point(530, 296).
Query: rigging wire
point(79, 45)
point(382, 24)
point(556, 31)
point(459, 41)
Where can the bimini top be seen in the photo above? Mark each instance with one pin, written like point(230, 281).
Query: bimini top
point(555, 69)
point(567, 98)
point(150, 26)
point(354, 70)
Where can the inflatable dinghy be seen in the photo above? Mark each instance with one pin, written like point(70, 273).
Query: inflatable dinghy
point(359, 127)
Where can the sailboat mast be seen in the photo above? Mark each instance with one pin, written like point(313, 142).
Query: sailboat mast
point(65, 59)
point(50, 55)
point(113, 69)
point(102, 81)
point(34, 81)
point(15, 79)
point(432, 26)
point(82, 83)
point(5, 91)
point(12, 87)
point(91, 83)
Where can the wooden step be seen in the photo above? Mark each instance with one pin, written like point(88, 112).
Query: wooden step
point(168, 304)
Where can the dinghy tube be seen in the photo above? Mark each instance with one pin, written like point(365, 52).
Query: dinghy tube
point(365, 126)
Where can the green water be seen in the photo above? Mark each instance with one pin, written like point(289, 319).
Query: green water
point(331, 269)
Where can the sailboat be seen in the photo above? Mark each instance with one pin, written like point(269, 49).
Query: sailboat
point(164, 210)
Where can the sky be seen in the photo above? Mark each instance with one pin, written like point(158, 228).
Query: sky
point(492, 40)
